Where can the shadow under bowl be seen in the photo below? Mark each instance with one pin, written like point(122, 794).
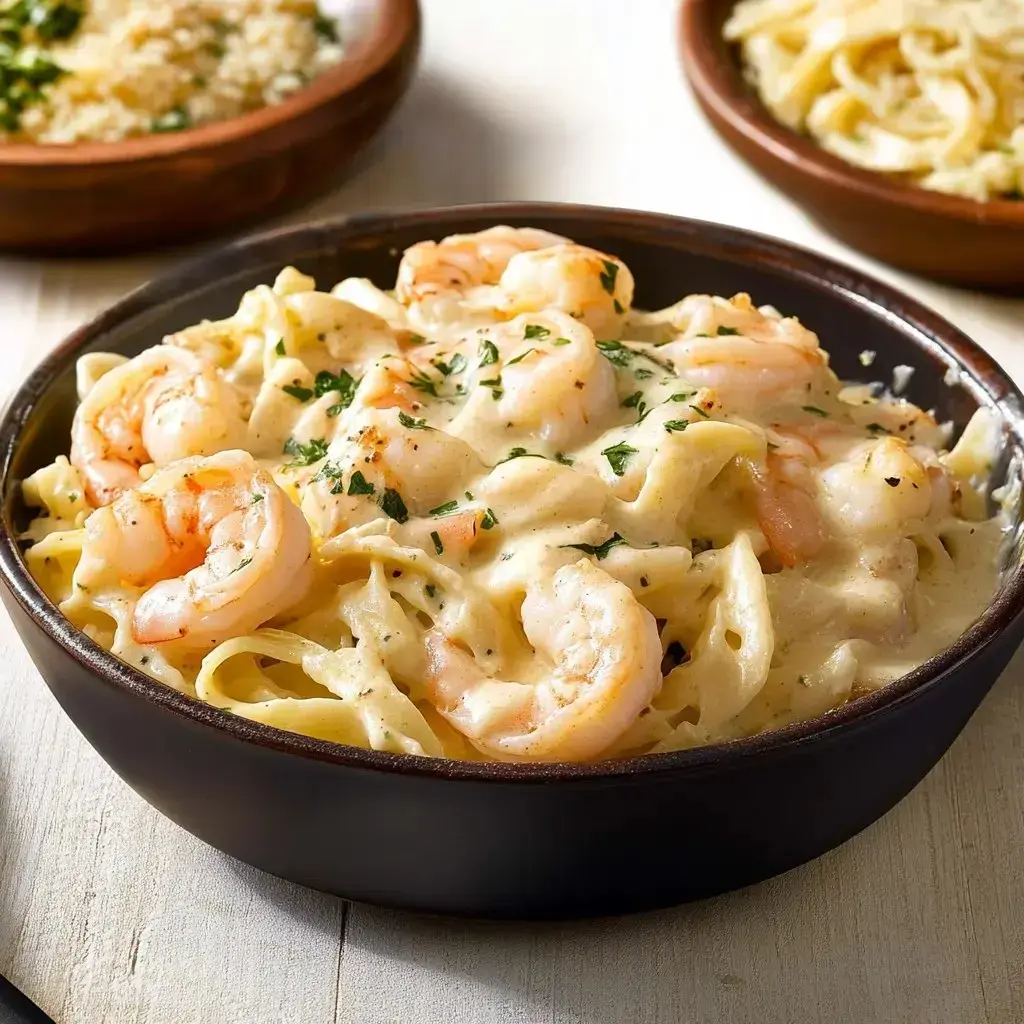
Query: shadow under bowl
point(94, 198)
point(519, 840)
point(945, 237)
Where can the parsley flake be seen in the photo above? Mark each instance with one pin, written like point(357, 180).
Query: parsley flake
point(241, 565)
point(359, 484)
point(488, 352)
point(697, 409)
point(455, 365)
point(599, 551)
point(444, 510)
point(301, 394)
point(676, 425)
point(814, 410)
point(436, 538)
point(535, 332)
point(618, 455)
point(611, 272)
point(305, 454)
point(489, 521)
point(279, 347)
point(520, 358)
point(561, 341)
point(430, 590)
point(424, 382)
point(494, 383)
point(392, 505)
point(725, 331)
point(616, 353)
point(565, 460)
point(409, 423)
point(681, 396)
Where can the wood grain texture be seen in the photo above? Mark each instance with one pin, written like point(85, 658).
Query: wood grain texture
point(111, 915)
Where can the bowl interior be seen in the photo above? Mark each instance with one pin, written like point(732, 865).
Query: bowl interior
point(669, 258)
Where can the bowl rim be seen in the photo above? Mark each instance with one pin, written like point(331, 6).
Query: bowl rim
point(720, 85)
point(980, 374)
point(394, 25)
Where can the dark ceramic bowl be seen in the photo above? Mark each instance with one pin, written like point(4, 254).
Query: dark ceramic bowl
point(946, 237)
point(519, 840)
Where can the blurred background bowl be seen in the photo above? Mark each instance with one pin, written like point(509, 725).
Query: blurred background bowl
point(945, 237)
point(101, 197)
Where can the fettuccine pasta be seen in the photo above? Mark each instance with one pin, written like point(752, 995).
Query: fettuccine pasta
point(931, 90)
point(497, 513)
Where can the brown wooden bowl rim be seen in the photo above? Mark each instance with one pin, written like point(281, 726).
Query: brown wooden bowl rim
point(930, 332)
point(721, 86)
point(394, 25)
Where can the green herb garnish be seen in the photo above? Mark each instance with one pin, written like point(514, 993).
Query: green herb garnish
point(611, 272)
point(561, 341)
point(676, 425)
point(444, 510)
point(305, 454)
point(565, 460)
point(359, 484)
point(725, 331)
point(279, 347)
point(616, 353)
point(436, 538)
point(618, 455)
point(409, 423)
point(535, 332)
point(495, 385)
point(430, 590)
point(326, 28)
point(813, 409)
point(700, 412)
point(456, 365)
point(489, 521)
point(241, 565)
point(392, 505)
point(177, 119)
point(599, 551)
point(300, 393)
point(488, 352)
point(520, 358)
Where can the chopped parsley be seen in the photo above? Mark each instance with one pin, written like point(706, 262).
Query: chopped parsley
point(256, 499)
point(430, 590)
point(494, 383)
point(565, 460)
point(618, 306)
point(676, 425)
point(633, 400)
point(488, 352)
point(301, 394)
point(241, 565)
point(814, 410)
point(616, 353)
point(697, 409)
point(681, 396)
point(305, 454)
point(177, 119)
point(456, 364)
point(520, 358)
point(279, 347)
point(469, 495)
point(326, 28)
point(424, 382)
point(436, 538)
point(444, 510)
point(535, 332)
point(618, 455)
point(642, 373)
point(611, 272)
point(392, 505)
point(892, 481)
point(599, 551)
point(519, 453)
point(344, 383)
point(409, 423)
point(359, 484)
point(877, 428)
point(725, 331)
point(489, 521)
point(561, 341)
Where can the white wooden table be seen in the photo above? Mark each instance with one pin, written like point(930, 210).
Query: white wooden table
point(109, 913)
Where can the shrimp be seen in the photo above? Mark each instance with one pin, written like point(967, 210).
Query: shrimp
point(786, 510)
point(554, 382)
point(745, 352)
point(593, 287)
point(599, 666)
point(381, 465)
point(217, 546)
point(163, 405)
point(460, 262)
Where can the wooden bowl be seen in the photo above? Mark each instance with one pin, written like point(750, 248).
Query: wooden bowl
point(520, 840)
point(940, 236)
point(115, 196)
